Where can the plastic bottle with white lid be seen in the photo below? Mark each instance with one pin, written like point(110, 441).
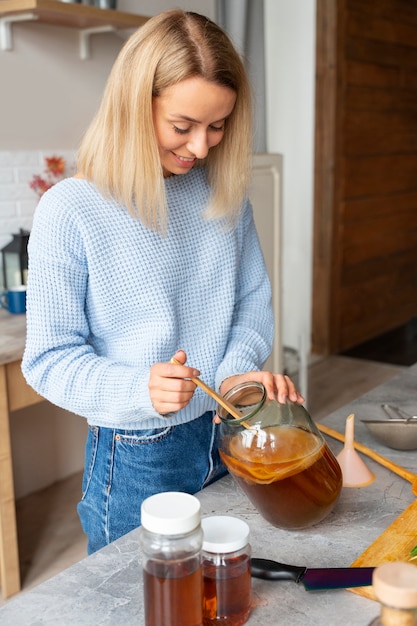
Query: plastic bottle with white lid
point(395, 587)
point(171, 540)
point(226, 571)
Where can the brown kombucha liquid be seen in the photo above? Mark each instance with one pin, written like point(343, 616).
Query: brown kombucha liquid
point(227, 592)
point(173, 594)
point(293, 479)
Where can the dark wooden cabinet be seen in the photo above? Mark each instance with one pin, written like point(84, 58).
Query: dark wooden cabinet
point(365, 221)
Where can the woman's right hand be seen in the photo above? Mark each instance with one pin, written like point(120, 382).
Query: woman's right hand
point(169, 386)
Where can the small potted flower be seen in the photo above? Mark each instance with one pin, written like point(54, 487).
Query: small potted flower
point(54, 172)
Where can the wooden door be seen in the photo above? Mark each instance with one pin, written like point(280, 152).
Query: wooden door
point(365, 216)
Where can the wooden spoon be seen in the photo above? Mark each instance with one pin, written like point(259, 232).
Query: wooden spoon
point(397, 469)
point(230, 408)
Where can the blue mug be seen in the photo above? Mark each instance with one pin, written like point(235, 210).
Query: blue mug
point(14, 299)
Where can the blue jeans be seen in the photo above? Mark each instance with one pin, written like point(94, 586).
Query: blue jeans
point(123, 467)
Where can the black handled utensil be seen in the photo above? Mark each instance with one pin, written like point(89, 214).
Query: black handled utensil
point(313, 579)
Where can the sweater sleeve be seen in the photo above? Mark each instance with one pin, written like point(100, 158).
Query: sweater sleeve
point(251, 335)
point(59, 362)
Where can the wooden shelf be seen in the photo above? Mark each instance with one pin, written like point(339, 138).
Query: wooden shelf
point(71, 14)
point(87, 19)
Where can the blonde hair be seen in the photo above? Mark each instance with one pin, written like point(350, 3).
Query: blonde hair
point(119, 151)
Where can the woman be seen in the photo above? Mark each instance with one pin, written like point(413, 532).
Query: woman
point(150, 253)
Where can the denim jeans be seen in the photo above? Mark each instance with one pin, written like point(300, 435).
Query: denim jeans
point(123, 467)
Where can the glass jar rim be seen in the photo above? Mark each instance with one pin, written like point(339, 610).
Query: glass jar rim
point(234, 390)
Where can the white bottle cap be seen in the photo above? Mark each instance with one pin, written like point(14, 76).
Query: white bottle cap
point(171, 513)
point(395, 584)
point(223, 533)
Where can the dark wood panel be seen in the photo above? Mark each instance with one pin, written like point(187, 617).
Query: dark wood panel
point(379, 296)
point(377, 207)
point(400, 102)
point(389, 236)
point(373, 326)
point(373, 309)
point(377, 75)
point(371, 277)
point(384, 29)
point(396, 10)
point(379, 132)
point(385, 53)
point(401, 265)
point(379, 175)
point(324, 174)
point(376, 301)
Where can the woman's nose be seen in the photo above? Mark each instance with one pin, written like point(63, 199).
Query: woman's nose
point(198, 145)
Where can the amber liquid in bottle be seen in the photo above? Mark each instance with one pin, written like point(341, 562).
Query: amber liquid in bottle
point(294, 480)
point(169, 592)
point(227, 592)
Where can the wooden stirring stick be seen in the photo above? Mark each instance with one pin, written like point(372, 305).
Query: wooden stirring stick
point(397, 469)
point(230, 408)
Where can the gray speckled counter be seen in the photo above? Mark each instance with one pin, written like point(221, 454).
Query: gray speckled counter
point(106, 587)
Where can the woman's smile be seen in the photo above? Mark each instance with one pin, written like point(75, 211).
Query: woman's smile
point(187, 161)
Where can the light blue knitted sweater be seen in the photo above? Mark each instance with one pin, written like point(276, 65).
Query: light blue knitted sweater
point(108, 297)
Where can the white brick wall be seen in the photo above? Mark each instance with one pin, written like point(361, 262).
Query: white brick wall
point(17, 200)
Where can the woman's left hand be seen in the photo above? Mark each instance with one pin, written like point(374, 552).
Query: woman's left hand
point(278, 387)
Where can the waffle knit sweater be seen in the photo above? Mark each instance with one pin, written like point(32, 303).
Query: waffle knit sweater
point(108, 297)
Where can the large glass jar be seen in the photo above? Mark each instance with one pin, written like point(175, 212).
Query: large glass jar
point(279, 458)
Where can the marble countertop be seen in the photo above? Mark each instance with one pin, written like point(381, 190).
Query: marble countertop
point(106, 587)
point(12, 336)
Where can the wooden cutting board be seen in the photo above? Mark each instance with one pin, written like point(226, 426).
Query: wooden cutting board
point(394, 544)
